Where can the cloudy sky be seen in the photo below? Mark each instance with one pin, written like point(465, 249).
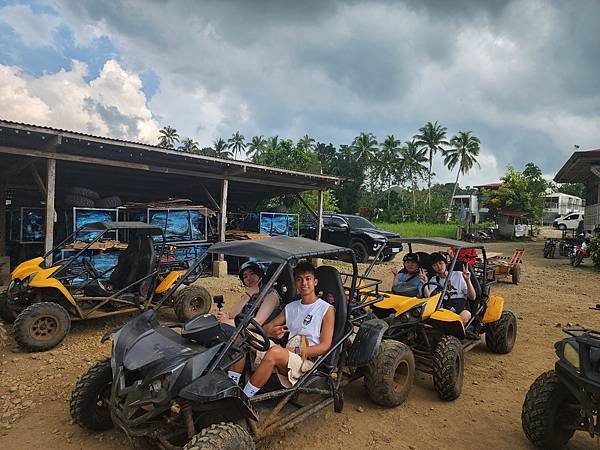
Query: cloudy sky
point(522, 75)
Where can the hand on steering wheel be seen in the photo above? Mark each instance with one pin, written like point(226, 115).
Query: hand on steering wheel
point(260, 342)
point(437, 285)
point(89, 268)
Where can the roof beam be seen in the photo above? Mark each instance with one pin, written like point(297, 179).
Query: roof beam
point(149, 168)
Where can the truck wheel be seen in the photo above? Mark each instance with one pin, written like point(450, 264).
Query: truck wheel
point(41, 326)
point(448, 368)
point(546, 410)
point(190, 302)
point(390, 376)
point(361, 252)
point(90, 398)
point(6, 312)
point(221, 436)
point(500, 336)
point(516, 274)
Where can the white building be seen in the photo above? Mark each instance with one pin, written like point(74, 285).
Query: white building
point(470, 204)
point(559, 205)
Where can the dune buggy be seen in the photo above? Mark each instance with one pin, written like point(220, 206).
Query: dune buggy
point(42, 299)
point(437, 336)
point(172, 386)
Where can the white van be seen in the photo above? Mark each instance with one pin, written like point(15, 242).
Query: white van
point(569, 222)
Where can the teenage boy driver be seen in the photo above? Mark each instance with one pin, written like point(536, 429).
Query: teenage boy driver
point(310, 317)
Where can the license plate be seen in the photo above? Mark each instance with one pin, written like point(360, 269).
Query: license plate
point(395, 250)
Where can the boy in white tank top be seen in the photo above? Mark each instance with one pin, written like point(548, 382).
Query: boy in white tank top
point(309, 318)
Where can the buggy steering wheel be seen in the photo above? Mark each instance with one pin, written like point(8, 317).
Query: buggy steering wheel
point(89, 268)
point(260, 342)
point(438, 285)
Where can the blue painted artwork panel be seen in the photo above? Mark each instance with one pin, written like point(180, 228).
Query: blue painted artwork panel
point(278, 224)
point(32, 225)
point(83, 217)
point(175, 223)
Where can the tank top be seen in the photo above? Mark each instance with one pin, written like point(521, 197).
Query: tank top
point(306, 320)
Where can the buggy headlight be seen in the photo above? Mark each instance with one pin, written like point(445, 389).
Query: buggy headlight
point(417, 311)
point(571, 354)
point(26, 281)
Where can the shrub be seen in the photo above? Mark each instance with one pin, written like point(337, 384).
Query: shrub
point(595, 250)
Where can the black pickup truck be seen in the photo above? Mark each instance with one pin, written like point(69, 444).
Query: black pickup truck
point(355, 232)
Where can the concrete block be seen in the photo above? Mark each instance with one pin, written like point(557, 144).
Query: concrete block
point(219, 269)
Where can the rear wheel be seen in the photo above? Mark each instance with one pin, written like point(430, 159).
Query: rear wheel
point(361, 252)
point(516, 274)
point(547, 413)
point(391, 374)
point(501, 335)
point(41, 326)
point(222, 436)
point(448, 368)
point(190, 302)
point(90, 399)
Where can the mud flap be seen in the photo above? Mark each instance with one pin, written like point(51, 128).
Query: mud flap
point(366, 343)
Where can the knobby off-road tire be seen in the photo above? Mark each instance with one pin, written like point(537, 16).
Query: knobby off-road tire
point(190, 302)
point(41, 326)
point(6, 313)
point(84, 192)
point(543, 410)
point(109, 202)
point(390, 375)
point(78, 201)
point(360, 250)
point(448, 368)
point(500, 336)
point(89, 400)
point(516, 274)
point(222, 436)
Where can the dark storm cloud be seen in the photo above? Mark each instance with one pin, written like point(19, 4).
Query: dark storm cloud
point(522, 75)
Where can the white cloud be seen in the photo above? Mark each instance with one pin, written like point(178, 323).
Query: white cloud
point(36, 30)
point(111, 104)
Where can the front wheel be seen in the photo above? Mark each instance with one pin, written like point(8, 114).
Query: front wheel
point(361, 252)
point(41, 326)
point(577, 259)
point(391, 374)
point(90, 399)
point(548, 413)
point(221, 436)
point(448, 368)
point(190, 302)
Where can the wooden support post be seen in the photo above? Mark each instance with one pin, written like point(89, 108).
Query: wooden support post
point(220, 266)
point(319, 214)
point(50, 212)
point(39, 181)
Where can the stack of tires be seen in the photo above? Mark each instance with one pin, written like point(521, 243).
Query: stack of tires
point(87, 198)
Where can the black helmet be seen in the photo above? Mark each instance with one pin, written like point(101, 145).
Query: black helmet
point(412, 257)
point(252, 266)
point(437, 256)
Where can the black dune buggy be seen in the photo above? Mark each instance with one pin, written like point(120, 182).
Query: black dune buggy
point(173, 386)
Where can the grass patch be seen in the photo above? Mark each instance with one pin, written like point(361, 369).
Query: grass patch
point(422, 229)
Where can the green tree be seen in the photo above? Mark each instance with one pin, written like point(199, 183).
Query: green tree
point(306, 143)
point(188, 145)
point(364, 147)
point(221, 149)
point(255, 147)
point(236, 143)
point(168, 137)
point(389, 163)
point(576, 189)
point(463, 153)
point(414, 167)
point(431, 139)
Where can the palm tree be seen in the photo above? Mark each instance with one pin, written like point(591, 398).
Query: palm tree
point(168, 137)
point(255, 147)
point(188, 145)
point(221, 149)
point(389, 162)
point(464, 152)
point(306, 143)
point(364, 147)
point(431, 139)
point(273, 143)
point(236, 143)
point(414, 168)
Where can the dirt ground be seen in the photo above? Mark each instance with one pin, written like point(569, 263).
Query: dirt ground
point(35, 388)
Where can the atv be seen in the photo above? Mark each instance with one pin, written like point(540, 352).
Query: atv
point(437, 337)
point(169, 383)
point(566, 399)
point(43, 299)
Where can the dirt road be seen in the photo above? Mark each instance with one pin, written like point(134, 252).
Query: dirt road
point(34, 388)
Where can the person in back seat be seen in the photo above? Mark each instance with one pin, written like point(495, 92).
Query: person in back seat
point(459, 290)
point(310, 322)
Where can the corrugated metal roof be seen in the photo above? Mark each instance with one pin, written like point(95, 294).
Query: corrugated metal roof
point(577, 169)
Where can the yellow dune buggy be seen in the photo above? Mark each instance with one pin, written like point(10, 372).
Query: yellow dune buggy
point(437, 336)
point(42, 299)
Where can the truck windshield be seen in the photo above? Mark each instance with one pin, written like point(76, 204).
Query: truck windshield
point(359, 222)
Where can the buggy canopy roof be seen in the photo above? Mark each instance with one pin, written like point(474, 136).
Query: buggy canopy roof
point(444, 242)
point(106, 226)
point(279, 249)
